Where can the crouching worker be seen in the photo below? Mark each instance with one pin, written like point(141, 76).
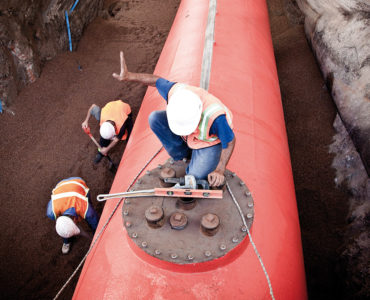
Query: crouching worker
point(70, 202)
point(115, 124)
point(195, 123)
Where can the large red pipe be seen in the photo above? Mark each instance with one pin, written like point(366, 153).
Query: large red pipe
point(244, 77)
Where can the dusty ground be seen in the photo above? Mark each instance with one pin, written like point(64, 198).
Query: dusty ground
point(43, 143)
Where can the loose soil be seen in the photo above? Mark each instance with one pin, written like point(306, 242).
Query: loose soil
point(43, 143)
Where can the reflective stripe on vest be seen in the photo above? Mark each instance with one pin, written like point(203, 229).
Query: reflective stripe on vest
point(70, 195)
point(71, 182)
point(212, 108)
point(203, 125)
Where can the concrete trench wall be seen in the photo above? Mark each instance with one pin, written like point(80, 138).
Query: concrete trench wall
point(34, 33)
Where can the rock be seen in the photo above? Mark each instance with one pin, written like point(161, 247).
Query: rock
point(350, 172)
point(339, 34)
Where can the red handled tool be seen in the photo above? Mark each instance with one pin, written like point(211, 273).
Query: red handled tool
point(112, 165)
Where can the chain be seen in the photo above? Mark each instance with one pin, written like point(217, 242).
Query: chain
point(105, 225)
point(251, 240)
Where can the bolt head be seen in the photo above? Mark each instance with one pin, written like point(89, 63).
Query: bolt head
point(154, 213)
point(248, 193)
point(125, 212)
point(207, 253)
point(222, 247)
point(157, 252)
point(235, 240)
point(244, 228)
point(173, 255)
point(177, 217)
point(128, 224)
point(144, 244)
point(134, 235)
point(250, 204)
point(210, 221)
point(153, 210)
point(178, 220)
point(249, 216)
point(190, 257)
point(127, 201)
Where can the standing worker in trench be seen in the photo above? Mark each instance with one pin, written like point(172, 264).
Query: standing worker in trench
point(195, 123)
point(115, 124)
point(70, 202)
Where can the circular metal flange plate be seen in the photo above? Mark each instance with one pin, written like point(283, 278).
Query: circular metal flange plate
point(190, 244)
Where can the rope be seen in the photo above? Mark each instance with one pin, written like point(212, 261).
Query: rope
point(105, 225)
point(250, 238)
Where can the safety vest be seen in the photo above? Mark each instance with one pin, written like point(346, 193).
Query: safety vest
point(116, 111)
point(69, 193)
point(212, 108)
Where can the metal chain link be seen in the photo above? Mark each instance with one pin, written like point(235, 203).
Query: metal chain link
point(105, 225)
point(251, 240)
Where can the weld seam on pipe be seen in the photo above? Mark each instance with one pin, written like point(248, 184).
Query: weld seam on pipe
point(208, 46)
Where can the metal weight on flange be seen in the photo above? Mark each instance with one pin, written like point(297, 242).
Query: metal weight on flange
point(184, 231)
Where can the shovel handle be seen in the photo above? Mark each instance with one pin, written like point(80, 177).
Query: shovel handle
point(87, 131)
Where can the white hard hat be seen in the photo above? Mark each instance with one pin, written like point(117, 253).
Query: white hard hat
point(107, 131)
point(66, 228)
point(184, 110)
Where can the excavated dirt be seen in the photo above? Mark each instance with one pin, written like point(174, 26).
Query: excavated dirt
point(43, 143)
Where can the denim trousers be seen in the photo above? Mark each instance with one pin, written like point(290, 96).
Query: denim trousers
point(203, 161)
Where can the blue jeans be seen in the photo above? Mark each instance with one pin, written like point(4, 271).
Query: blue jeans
point(203, 161)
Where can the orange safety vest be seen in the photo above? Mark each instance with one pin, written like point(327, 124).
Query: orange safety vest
point(116, 111)
point(212, 108)
point(70, 193)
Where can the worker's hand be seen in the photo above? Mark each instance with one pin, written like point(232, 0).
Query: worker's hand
point(124, 72)
point(104, 151)
point(216, 178)
point(85, 125)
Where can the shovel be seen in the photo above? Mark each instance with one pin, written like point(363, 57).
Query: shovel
point(112, 166)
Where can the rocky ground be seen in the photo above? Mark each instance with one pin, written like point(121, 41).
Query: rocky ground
point(42, 143)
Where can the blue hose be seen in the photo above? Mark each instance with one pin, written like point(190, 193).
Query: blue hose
point(69, 32)
point(74, 5)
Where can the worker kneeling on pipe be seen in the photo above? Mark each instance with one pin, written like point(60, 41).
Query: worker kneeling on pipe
point(195, 124)
point(115, 124)
point(70, 202)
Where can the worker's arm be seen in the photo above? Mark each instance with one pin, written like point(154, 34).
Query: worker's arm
point(105, 150)
point(49, 210)
point(125, 75)
point(92, 217)
point(85, 124)
point(217, 177)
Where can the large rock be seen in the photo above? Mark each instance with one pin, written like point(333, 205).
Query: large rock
point(356, 248)
point(339, 33)
point(33, 33)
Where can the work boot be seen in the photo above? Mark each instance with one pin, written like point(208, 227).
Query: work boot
point(98, 158)
point(66, 248)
